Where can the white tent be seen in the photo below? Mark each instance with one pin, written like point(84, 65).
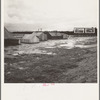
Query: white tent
point(35, 37)
point(30, 38)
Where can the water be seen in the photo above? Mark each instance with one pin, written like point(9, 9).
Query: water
point(81, 42)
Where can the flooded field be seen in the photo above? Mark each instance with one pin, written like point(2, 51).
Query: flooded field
point(72, 60)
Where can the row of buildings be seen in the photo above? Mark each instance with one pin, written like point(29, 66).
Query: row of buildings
point(91, 30)
point(37, 36)
point(31, 37)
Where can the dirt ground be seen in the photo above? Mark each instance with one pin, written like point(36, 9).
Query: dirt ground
point(72, 60)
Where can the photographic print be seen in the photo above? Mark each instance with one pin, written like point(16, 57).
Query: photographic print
point(50, 41)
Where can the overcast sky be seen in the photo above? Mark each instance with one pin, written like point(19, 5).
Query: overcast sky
point(50, 14)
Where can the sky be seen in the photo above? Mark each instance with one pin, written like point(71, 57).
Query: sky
point(50, 14)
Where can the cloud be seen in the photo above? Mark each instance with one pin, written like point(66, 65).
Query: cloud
point(54, 13)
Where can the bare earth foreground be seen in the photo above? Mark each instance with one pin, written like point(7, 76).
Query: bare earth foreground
point(72, 60)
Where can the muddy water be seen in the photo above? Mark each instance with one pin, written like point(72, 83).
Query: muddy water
point(69, 65)
point(81, 42)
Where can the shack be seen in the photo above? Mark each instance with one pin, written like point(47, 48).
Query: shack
point(65, 36)
point(9, 39)
point(54, 35)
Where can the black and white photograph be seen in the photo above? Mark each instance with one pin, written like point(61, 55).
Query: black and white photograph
point(50, 41)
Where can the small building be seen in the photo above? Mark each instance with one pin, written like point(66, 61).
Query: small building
point(48, 35)
point(90, 30)
point(83, 30)
point(54, 35)
point(9, 39)
point(41, 35)
point(78, 30)
point(65, 36)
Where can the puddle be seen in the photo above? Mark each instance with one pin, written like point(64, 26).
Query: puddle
point(49, 47)
point(22, 68)
point(35, 51)
point(67, 44)
point(85, 46)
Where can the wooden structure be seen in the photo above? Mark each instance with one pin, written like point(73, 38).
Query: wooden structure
point(9, 39)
